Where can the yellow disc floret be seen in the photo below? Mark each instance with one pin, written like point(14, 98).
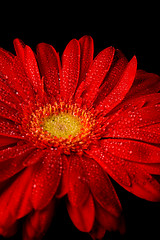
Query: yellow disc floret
point(62, 125)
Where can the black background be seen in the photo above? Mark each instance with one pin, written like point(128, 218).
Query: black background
point(131, 28)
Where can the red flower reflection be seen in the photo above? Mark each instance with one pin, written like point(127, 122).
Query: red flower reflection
point(65, 128)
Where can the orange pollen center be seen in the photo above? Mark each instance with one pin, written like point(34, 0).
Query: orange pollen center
point(63, 126)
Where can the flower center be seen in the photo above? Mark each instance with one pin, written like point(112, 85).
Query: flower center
point(62, 125)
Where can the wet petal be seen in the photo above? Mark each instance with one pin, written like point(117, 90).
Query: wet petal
point(15, 151)
point(143, 184)
point(145, 83)
point(132, 150)
point(15, 201)
point(101, 187)
point(32, 70)
point(132, 177)
point(46, 179)
point(96, 74)
point(63, 186)
point(49, 63)
point(12, 166)
point(70, 69)
point(120, 90)
point(113, 165)
point(78, 190)
point(19, 48)
point(112, 77)
point(6, 141)
point(86, 56)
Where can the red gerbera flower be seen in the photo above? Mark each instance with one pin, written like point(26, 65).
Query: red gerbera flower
point(65, 130)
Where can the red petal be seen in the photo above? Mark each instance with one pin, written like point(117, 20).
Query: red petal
point(113, 165)
point(7, 96)
point(137, 122)
point(96, 74)
point(120, 90)
point(112, 77)
point(132, 150)
point(143, 184)
point(78, 190)
point(34, 157)
point(70, 69)
point(98, 231)
point(9, 231)
point(148, 134)
point(6, 61)
point(15, 151)
point(46, 179)
point(21, 81)
point(63, 186)
point(15, 201)
point(10, 167)
point(8, 112)
point(5, 141)
point(101, 187)
point(86, 57)
point(38, 222)
point(107, 220)
point(145, 83)
point(32, 70)
point(9, 129)
point(149, 168)
point(82, 216)
point(19, 48)
point(50, 68)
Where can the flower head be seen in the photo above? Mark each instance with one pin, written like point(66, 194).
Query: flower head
point(66, 128)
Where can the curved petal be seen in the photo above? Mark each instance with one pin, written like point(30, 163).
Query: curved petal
point(49, 63)
point(101, 186)
point(15, 151)
point(70, 69)
point(132, 150)
point(121, 89)
point(96, 74)
point(38, 222)
point(108, 221)
point(9, 112)
point(8, 96)
point(9, 129)
point(63, 186)
point(137, 119)
point(113, 165)
point(141, 183)
point(86, 56)
point(6, 141)
point(15, 201)
point(145, 83)
point(9, 231)
point(78, 190)
point(84, 215)
point(46, 179)
point(112, 77)
point(98, 231)
point(19, 47)
point(12, 166)
point(32, 71)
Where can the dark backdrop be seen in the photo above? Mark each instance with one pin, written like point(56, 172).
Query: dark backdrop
point(133, 30)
